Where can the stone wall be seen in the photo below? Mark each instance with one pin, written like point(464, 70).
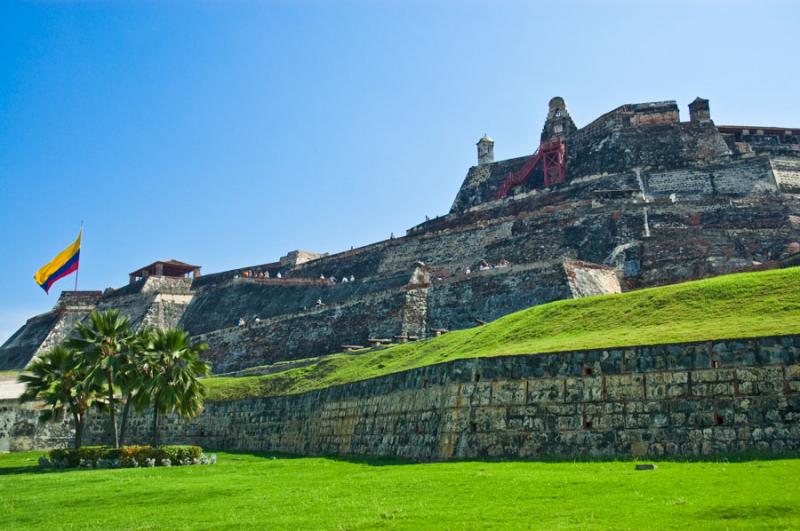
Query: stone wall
point(222, 306)
point(611, 220)
point(21, 430)
point(680, 399)
point(660, 146)
point(735, 178)
point(18, 350)
point(302, 334)
point(158, 301)
point(787, 173)
point(705, 238)
point(462, 300)
point(586, 279)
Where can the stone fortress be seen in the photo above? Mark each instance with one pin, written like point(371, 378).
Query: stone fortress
point(636, 198)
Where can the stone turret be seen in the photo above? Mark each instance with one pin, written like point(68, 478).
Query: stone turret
point(559, 124)
point(485, 150)
point(699, 111)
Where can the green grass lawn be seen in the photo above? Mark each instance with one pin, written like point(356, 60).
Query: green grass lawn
point(246, 491)
point(731, 306)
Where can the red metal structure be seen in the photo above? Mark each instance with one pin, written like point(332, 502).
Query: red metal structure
point(552, 155)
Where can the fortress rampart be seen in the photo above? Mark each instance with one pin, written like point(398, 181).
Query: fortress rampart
point(649, 198)
point(681, 399)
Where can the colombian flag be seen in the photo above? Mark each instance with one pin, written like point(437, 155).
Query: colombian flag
point(62, 265)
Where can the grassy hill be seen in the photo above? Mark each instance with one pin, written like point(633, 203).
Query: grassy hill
point(731, 306)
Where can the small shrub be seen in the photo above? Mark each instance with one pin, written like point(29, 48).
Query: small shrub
point(125, 457)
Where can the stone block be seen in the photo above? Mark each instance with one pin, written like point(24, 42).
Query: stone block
point(564, 423)
point(546, 390)
point(587, 389)
point(625, 387)
point(509, 393)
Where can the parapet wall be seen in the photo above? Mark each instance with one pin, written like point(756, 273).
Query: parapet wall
point(680, 399)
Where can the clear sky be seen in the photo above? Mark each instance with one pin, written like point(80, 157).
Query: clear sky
point(226, 133)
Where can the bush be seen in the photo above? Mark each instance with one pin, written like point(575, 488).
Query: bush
point(127, 457)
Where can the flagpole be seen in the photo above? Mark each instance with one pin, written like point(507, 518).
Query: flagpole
point(78, 269)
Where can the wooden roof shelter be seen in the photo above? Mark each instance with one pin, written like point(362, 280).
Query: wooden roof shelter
point(166, 268)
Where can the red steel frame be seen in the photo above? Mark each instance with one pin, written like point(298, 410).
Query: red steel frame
point(553, 156)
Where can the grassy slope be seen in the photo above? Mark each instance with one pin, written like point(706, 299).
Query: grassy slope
point(246, 491)
point(731, 306)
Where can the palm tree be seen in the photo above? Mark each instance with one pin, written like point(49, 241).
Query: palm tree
point(134, 372)
point(60, 380)
point(104, 341)
point(174, 384)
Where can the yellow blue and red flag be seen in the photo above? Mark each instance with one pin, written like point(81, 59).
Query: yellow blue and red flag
point(62, 265)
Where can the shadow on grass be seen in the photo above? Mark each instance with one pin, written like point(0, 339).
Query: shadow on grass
point(395, 461)
point(244, 455)
point(757, 513)
point(32, 469)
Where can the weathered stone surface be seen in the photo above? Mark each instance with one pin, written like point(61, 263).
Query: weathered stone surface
point(528, 406)
point(648, 200)
point(21, 430)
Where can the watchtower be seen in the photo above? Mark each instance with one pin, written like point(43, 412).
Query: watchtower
point(485, 150)
point(559, 123)
point(552, 151)
point(699, 111)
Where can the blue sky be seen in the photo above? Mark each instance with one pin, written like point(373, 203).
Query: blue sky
point(227, 133)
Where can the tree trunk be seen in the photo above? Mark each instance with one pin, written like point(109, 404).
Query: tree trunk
point(111, 409)
point(155, 423)
point(123, 430)
point(78, 430)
